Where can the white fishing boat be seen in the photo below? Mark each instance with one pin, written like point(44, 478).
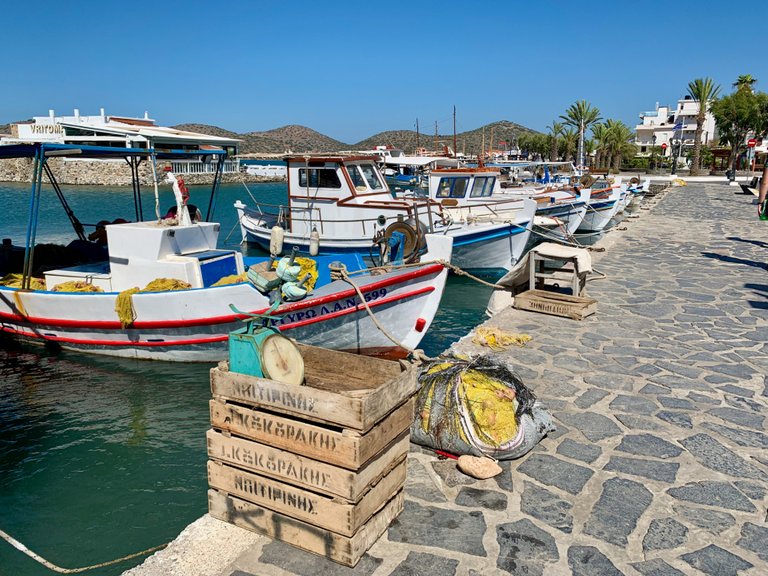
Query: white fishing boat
point(604, 203)
point(193, 324)
point(342, 204)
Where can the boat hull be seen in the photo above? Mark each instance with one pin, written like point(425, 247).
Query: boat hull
point(193, 325)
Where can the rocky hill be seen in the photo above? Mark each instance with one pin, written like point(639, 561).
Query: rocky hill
point(300, 139)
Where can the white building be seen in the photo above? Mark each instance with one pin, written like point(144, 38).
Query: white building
point(658, 127)
point(120, 131)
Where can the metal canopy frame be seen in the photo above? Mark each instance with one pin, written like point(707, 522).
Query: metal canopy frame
point(40, 153)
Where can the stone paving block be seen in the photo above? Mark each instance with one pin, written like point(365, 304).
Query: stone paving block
point(648, 445)
point(474, 497)
point(651, 469)
point(421, 564)
point(752, 490)
point(736, 370)
point(633, 405)
point(741, 437)
point(737, 390)
point(743, 403)
point(593, 426)
point(654, 389)
point(457, 530)
point(710, 453)
point(609, 381)
point(303, 563)
point(702, 399)
point(711, 493)
point(645, 370)
point(504, 480)
point(656, 567)
point(450, 474)
point(739, 417)
point(547, 507)
point(420, 484)
point(664, 533)
point(589, 561)
point(556, 472)
point(525, 548)
point(679, 382)
point(755, 539)
point(676, 403)
point(638, 422)
point(681, 419)
point(585, 452)
point(614, 516)
point(715, 561)
point(590, 398)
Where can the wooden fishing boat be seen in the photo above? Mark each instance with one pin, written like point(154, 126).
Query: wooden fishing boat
point(193, 324)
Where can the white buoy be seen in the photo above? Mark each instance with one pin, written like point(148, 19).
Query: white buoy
point(276, 240)
point(314, 242)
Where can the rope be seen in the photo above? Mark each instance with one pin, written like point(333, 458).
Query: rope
point(339, 272)
point(51, 566)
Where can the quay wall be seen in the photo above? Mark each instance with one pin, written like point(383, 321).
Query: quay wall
point(107, 173)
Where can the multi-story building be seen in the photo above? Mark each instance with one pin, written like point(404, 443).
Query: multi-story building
point(672, 126)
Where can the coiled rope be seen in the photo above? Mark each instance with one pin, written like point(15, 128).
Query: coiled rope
point(51, 566)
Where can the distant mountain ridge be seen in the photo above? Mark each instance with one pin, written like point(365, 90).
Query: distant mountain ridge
point(299, 139)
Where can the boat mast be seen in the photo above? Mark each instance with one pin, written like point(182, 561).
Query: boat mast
point(454, 129)
point(417, 136)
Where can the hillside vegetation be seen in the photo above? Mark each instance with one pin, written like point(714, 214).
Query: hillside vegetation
point(299, 139)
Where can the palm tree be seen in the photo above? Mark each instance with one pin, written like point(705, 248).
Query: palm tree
point(704, 91)
point(745, 82)
point(600, 135)
point(581, 115)
point(619, 138)
point(570, 140)
point(554, 131)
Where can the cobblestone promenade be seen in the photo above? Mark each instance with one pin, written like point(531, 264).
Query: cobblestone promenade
point(659, 465)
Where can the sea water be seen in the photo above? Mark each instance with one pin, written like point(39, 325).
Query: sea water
point(102, 457)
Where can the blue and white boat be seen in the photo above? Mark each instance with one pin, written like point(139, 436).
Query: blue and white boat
point(343, 204)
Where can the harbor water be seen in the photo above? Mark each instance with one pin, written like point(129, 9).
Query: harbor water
point(102, 457)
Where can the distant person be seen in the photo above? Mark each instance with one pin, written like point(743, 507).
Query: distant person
point(762, 205)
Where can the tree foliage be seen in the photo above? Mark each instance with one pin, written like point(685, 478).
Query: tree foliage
point(738, 115)
point(581, 115)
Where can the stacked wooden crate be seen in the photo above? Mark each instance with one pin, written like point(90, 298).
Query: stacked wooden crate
point(320, 466)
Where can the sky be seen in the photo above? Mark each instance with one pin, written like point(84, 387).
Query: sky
point(351, 69)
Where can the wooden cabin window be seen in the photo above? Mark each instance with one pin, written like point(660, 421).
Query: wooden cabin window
point(319, 178)
point(371, 176)
point(482, 186)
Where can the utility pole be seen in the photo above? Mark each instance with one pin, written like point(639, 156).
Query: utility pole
point(435, 134)
point(417, 135)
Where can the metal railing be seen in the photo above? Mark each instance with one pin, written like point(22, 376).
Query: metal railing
point(199, 167)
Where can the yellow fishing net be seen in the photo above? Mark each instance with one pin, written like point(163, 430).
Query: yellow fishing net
point(124, 302)
point(14, 281)
point(76, 286)
point(490, 407)
point(497, 339)
point(231, 279)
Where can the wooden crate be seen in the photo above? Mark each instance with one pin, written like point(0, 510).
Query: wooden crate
point(334, 514)
point(342, 389)
point(342, 549)
point(338, 446)
point(305, 472)
point(576, 307)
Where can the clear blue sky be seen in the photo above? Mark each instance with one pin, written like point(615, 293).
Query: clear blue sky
point(351, 69)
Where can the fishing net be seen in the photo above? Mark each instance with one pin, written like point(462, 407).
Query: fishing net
point(497, 339)
point(76, 286)
point(124, 301)
point(231, 279)
point(477, 406)
point(14, 281)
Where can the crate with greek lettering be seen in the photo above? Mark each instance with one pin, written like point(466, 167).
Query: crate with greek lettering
point(320, 466)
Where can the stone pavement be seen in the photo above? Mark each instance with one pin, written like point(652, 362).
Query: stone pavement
point(658, 466)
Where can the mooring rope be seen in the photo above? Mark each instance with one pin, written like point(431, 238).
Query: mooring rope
point(51, 566)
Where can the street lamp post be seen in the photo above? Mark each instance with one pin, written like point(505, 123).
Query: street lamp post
point(673, 157)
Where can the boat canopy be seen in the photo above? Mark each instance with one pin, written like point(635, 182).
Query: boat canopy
point(420, 161)
point(41, 152)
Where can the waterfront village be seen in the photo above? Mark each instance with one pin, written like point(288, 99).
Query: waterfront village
point(603, 412)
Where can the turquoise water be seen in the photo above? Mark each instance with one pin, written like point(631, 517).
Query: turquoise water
point(102, 457)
